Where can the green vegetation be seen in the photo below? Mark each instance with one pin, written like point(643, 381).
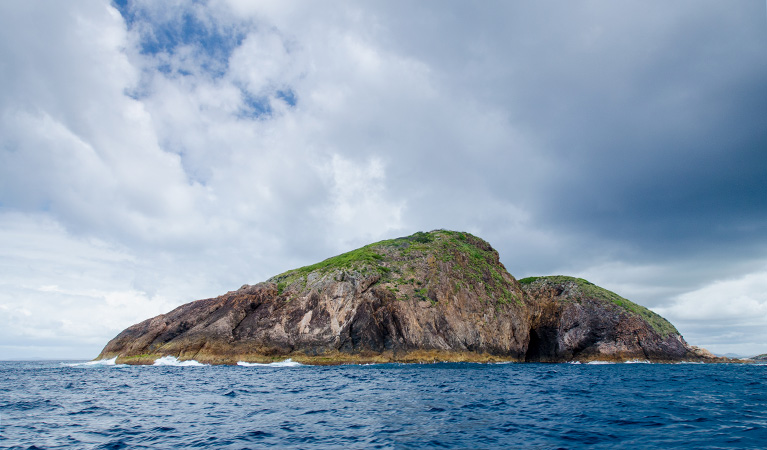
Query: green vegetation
point(360, 259)
point(416, 262)
point(369, 256)
point(474, 263)
point(528, 280)
point(508, 297)
point(409, 266)
point(141, 357)
point(590, 290)
point(348, 260)
point(420, 237)
point(556, 279)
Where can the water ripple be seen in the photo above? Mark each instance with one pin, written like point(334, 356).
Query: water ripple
point(53, 405)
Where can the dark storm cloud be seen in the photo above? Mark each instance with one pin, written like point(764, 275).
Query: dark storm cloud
point(188, 147)
point(653, 119)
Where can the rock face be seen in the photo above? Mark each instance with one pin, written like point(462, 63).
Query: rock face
point(574, 319)
point(434, 296)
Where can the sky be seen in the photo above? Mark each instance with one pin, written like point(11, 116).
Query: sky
point(154, 153)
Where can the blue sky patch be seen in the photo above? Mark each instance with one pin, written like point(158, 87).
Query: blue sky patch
point(259, 106)
point(288, 96)
point(213, 42)
point(254, 106)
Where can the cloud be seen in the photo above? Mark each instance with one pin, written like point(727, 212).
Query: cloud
point(729, 315)
point(742, 300)
point(75, 145)
point(358, 201)
point(67, 293)
point(643, 108)
point(190, 147)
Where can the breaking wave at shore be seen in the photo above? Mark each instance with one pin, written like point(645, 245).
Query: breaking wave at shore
point(287, 363)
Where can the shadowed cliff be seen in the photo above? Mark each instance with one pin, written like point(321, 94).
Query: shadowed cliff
point(437, 296)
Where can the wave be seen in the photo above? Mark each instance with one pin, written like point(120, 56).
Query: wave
point(593, 363)
point(173, 361)
point(600, 362)
point(98, 362)
point(287, 363)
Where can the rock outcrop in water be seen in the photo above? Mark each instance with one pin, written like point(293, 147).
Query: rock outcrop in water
point(438, 296)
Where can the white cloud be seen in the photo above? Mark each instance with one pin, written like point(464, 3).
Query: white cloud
point(728, 315)
point(152, 178)
point(717, 307)
point(76, 145)
point(66, 291)
point(262, 63)
point(358, 202)
point(743, 299)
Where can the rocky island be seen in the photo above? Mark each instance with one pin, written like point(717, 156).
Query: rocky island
point(437, 296)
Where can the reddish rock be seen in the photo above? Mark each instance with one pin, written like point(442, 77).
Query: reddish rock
point(438, 296)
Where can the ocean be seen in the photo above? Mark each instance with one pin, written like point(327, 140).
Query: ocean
point(56, 405)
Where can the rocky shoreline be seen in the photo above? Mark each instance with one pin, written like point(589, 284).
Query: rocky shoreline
point(437, 296)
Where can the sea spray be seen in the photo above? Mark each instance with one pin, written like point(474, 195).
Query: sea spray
point(173, 361)
point(95, 363)
point(287, 363)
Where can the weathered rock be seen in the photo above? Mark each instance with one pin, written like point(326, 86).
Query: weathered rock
point(432, 296)
point(574, 319)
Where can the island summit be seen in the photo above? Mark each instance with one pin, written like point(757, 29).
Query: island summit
point(436, 296)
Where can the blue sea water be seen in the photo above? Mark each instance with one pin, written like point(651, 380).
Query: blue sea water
point(391, 406)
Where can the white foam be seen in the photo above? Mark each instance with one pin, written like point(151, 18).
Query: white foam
point(173, 361)
point(638, 361)
point(600, 362)
point(287, 363)
point(98, 362)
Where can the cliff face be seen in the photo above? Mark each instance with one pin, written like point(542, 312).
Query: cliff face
point(438, 296)
point(574, 319)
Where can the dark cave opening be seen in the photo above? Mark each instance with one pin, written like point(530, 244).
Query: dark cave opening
point(542, 345)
